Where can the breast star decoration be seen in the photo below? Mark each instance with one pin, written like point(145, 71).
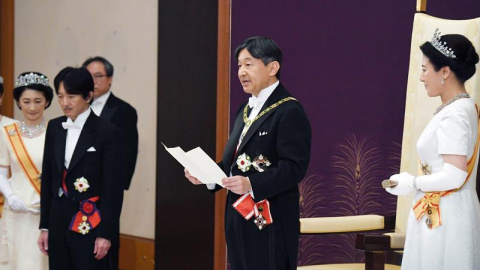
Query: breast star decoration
point(261, 163)
point(81, 184)
point(244, 162)
point(84, 227)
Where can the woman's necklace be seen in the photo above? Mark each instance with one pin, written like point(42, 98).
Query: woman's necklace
point(32, 131)
point(459, 96)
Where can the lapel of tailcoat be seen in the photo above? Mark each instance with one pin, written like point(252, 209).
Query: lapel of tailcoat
point(109, 108)
point(85, 140)
point(61, 142)
point(233, 140)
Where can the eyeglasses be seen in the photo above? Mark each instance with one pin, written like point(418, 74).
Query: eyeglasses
point(98, 76)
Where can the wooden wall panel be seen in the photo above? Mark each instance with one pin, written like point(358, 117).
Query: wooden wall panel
point(7, 9)
point(187, 90)
point(223, 101)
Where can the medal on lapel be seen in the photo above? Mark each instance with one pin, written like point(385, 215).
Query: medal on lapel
point(81, 184)
point(261, 163)
point(244, 162)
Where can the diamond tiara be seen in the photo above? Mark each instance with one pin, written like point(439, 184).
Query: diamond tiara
point(441, 46)
point(31, 78)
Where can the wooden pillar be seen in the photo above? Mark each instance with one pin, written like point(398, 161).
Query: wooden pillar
point(187, 115)
point(223, 101)
point(7, 22)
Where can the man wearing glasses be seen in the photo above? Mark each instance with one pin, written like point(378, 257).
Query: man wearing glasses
point(111, 108)
point(121, 114)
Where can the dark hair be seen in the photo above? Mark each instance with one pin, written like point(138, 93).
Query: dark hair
point(262, 48)
point(466, 57)
point(1, 88)
point(76, 81)
point(108, 66)
point(45, 90)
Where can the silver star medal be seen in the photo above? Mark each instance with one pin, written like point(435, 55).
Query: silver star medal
point(260, 221)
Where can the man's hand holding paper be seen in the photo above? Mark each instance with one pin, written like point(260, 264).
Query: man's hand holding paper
point(192, 179)
point(199, 167)
point(237, 184)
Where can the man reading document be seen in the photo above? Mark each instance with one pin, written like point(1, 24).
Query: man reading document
point(266, 157)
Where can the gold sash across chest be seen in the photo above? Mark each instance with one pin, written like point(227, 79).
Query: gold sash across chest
point(430, 203)
point(28, 167)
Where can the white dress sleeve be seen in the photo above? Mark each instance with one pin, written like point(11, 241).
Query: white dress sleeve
point(4, 157)
point(454, 133)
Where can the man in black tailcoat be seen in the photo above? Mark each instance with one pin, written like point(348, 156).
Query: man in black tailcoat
point(113, 109)
point(266, 157)
point(82, 180)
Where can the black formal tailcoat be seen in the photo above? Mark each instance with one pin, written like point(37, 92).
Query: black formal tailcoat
point(124, 116)
point(102, 167)
point(283, 136)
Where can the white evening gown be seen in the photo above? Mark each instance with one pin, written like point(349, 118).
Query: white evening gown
point(19, 231)
point(454, 245)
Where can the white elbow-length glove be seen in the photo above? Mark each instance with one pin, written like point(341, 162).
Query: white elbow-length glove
point(450, 177)
point(404, 186)
point(11, 198)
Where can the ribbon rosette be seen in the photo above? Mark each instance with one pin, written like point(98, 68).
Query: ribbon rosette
point(430, 205)
point(87, 218)
point(261, 163)
point(243, 162)
point(81, 184)
point(246, 207)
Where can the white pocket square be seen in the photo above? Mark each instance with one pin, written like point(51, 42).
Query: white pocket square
point(261, 133)
point(91, 149)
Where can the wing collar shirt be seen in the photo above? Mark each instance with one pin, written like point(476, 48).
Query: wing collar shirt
point(256, 103)
point(74, 128)
point(99, 103)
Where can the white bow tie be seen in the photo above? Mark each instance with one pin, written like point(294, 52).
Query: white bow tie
point(67, 125)
point(255, 102)
point(96, 103)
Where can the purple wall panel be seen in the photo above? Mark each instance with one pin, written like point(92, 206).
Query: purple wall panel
point(347, 63)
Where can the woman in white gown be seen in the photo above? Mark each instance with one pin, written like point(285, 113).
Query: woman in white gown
point(21, 151)
point(3, 122)
point(443, 225)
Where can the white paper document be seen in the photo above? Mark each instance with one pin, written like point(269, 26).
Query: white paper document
point(198, 164)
